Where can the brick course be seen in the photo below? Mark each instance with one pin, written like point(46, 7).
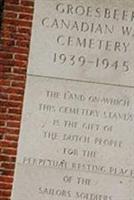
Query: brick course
point(14, 48)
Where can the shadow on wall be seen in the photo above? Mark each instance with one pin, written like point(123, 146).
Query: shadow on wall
point(1, 11)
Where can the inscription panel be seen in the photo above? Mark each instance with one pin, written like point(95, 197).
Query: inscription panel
point(84, 40)
point(76, 139)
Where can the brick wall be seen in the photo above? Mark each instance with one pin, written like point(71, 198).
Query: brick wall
point(14, 48)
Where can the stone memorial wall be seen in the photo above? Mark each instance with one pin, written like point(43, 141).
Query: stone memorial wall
point(76, 139)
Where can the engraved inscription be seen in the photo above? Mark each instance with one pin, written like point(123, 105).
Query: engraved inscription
point(85, 41)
